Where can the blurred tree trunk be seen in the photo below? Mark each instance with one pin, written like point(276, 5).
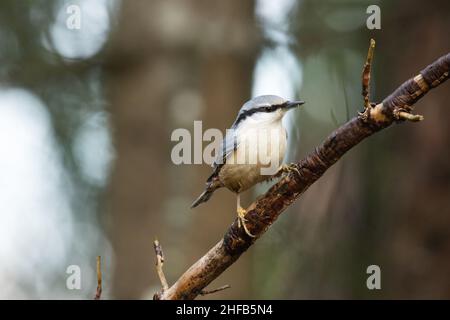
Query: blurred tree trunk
point(418, 237)
point(171, 63)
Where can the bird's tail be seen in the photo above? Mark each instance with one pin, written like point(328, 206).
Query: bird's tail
point(212, 184)
point(203, 197)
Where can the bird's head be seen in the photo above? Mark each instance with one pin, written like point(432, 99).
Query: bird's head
point(266, 108)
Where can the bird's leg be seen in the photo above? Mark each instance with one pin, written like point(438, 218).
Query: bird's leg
point(286, 169)
point(241, 216)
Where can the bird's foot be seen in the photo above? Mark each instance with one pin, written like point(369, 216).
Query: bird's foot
point(286, 169)
point(241, 220)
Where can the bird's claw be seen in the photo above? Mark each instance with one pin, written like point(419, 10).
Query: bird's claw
point(242, 220)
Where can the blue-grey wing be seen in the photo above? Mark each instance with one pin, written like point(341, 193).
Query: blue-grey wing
point(228, 145)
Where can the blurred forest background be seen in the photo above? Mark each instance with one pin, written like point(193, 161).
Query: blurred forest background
point(86, 118)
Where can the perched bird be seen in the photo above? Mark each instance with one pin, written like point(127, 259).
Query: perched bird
point(256, 141)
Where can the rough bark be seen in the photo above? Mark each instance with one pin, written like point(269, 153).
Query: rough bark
point(263, 212)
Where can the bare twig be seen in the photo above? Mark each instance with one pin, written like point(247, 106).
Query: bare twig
point(162, 278)
point(98, 293)
point(366, 75)
point(159, 267)
point(403, 115)
point(205, 292)
point(263, 213)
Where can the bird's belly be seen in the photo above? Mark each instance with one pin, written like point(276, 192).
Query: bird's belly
point(240, 177)
point(254, 161)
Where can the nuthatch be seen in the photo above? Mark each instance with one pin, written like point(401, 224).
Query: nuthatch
point(256, 141)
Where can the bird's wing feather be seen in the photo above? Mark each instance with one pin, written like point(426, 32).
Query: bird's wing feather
point(227, 146)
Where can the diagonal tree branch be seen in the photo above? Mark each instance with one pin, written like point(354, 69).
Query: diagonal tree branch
point(263, 213)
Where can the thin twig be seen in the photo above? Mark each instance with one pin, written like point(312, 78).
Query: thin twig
point(98, 293)
point(366, 75)
point(205, 292)
point(403, 115)
point(159, 265)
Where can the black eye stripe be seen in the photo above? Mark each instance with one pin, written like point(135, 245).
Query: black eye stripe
point(247, 113)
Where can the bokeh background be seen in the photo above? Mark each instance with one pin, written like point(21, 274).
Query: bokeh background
point(86, 118)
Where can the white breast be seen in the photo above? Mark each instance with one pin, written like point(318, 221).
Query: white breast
point(260, 152)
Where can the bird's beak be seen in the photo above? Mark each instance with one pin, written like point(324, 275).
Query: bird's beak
point(293, 104)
